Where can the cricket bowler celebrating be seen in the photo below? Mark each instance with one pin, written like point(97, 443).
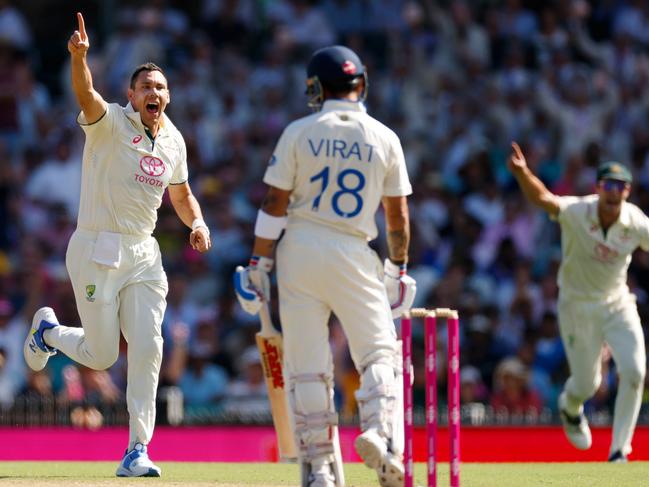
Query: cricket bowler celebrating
point(599, 233)
point(327, 177)
point(130, 156)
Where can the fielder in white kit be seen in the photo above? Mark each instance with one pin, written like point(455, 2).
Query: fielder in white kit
point(599, 233)
point(130, 156)
point(327, 177)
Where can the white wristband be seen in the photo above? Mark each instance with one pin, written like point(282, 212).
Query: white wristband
point(268, 226)
point(199, 222)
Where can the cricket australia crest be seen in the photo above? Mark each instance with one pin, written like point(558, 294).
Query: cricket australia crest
point(90, 292)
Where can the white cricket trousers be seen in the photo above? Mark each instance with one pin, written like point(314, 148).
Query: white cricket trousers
point(320, 271)
point(585, 326)
point(132, 299)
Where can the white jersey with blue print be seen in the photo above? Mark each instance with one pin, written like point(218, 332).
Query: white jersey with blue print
point(338, 163)
point(594, 264)
point(125, 174)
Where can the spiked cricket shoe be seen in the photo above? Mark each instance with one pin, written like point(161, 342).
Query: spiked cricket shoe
point(575, 427)
point(36, 351)
point(374, 451)
point(136, 463)
point(617, 457)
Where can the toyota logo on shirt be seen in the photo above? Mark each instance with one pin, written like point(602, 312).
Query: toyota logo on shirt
point(152, 166)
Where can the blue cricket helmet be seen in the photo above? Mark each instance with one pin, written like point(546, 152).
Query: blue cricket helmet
point(336, 68)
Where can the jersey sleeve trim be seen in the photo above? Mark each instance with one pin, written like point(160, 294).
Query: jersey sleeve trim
point(182, 182)
point(402, 191)
point(81, 114)
point(278, 183)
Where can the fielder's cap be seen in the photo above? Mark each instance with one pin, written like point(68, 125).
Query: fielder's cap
point(335, 66)
point(614, 170)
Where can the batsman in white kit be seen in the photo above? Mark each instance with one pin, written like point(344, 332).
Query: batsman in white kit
point(328, 175)
point(131, 155)
point(599, 233)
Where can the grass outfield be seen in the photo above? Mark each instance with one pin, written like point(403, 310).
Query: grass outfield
point(37, 474)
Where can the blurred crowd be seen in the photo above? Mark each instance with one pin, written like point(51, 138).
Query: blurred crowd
point(458, 80)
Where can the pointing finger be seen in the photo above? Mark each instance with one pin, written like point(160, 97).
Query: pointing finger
point(82, 26)
point(517, 150)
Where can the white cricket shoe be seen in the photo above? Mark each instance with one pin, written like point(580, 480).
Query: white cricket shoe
point(36, 351)
point(575, 427)
point(374, 451)
point(136, 463)
point(320, 473)
point(322, 480)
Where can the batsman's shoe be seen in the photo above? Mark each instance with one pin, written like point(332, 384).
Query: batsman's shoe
point(136, 463)
point(617, 457)
point(575, 427)
point(374, 451)
point(36, 351)
point(322, 479)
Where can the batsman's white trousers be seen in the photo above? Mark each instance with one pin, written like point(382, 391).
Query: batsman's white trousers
point(585, 327)
point(132, 299)
point(319, 271)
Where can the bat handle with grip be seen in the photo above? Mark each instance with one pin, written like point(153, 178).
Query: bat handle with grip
point(267, 327)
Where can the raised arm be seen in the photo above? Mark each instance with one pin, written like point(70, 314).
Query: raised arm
point(91, 102)
point(533, 188)
point(397, 221)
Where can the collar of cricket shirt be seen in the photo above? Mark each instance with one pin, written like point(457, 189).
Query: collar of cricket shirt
point(624, 219)
point(335, 104)
point(135, 117)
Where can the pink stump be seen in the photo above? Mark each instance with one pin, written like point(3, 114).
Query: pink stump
point(454, 399)
point(406, 341)
point(430, 349)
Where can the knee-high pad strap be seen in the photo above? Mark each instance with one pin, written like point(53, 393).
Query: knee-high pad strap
point(378, 391)
point(317, 420)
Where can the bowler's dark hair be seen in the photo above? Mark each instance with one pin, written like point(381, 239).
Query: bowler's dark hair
point(145, 67)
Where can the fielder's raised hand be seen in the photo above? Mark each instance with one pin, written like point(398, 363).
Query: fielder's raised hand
point(79, 44)
point(516, 161)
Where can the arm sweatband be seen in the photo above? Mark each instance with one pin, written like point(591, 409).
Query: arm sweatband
point(268, 226)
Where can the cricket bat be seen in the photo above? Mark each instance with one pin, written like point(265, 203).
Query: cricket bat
point(269, 343)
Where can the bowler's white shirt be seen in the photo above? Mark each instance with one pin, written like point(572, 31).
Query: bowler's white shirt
point(594, 265)
point(338, 163)
point(124, 173)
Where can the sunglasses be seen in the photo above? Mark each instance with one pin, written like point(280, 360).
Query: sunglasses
point(611, 184)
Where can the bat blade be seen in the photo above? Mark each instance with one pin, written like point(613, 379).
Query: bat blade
point(269, 343)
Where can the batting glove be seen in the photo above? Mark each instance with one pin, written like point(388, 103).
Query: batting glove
point(252, 285)
point(401, 288)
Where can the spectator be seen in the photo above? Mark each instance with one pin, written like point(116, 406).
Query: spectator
point(14, 29)
point(513, 395)
point(247, 397)
point(13, 374)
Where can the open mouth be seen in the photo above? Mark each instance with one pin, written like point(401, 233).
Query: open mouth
point(152, 108)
